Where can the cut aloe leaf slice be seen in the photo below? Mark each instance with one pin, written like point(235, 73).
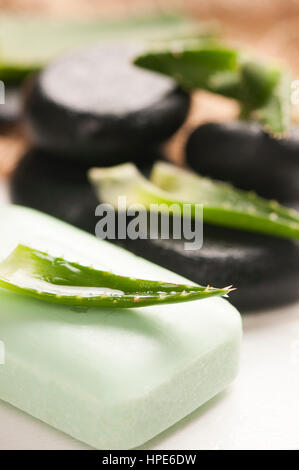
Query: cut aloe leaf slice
point(222, 204)
point(251, 84)
point(214, 67)
point(27, 43)
point(193, 64)
point(31, 272)
point(226, 205)
point(217, 69)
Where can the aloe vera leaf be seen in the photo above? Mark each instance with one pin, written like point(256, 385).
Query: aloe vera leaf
point(226, 205)
point(258, 82)
point(13, 74)
point(251, 84)
point(275, 114)
point(203, 64)
point(37, 274)
point(191, 63)
point(214, 67)
point(222, 204)
point(267, 93)
point(27, 43)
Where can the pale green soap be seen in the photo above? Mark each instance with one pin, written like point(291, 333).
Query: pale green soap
point(111, 378)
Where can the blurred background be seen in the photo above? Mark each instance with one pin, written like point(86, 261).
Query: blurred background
point(269, 27)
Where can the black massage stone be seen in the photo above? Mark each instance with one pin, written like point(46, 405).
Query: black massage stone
point(58, 187)
point(243, 154)
point(265, 270)
point(94, 104)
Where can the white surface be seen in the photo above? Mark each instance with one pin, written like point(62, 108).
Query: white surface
point(259, 411)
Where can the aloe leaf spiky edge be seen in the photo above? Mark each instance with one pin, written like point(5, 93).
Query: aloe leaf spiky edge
point(260, 89)
point(37, 274)
point(236, 208)
point(275, 114)
point(193, 64)
point(223, 204)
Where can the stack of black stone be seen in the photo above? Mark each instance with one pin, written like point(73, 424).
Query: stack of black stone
point(94, 108)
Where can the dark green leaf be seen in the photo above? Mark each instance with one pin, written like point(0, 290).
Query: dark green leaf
point(31, 272)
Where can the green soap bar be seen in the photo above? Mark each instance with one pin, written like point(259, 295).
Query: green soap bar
point(111, 378)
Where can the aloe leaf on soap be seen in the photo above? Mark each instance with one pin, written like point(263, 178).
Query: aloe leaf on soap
point(169, 185)
point(40, 275)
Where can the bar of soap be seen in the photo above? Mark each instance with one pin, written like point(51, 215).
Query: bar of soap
point(112, 379)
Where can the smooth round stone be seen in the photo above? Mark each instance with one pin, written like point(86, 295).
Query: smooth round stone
point(265, 270)
point(95, 104)
point(58, 187)
point(242, 153)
